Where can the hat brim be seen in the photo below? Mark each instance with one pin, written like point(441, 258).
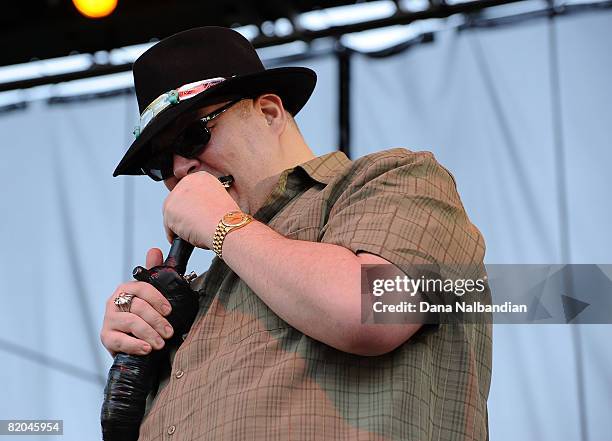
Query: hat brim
point(293, 84)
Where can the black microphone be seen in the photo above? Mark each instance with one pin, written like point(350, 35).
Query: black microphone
point(131, 377)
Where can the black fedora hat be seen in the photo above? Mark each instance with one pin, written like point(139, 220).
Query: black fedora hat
point(199, 67)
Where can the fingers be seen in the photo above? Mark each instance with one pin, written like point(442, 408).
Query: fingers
point(115, 342)
point(128, 323)
point(153, 319)
point(144, 291)
point(144, 327)
point(169, 234)
point(155, 257)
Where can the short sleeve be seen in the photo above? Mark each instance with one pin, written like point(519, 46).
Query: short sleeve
point(403, 207)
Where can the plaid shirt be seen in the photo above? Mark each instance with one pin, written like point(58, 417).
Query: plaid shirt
point(243, 373)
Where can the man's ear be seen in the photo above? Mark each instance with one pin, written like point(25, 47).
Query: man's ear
point(271, 108)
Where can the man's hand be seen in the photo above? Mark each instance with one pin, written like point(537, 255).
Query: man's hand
point(144, 327)
point(194, 207)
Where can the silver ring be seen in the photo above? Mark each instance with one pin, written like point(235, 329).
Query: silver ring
point(123, 301)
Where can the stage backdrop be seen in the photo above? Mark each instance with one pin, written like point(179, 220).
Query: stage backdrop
point(525, 131)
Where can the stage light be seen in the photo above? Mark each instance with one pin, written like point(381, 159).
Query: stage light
point(95, 8)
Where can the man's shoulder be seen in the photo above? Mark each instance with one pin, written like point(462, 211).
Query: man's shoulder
point(396, 153)
point(397, 163)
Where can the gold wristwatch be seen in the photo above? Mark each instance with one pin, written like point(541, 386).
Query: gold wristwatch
point(229, 222)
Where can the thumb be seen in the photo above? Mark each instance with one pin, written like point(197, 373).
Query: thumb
point(154, 258)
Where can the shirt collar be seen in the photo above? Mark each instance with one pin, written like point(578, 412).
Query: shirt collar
point(323, 168)
point(291, 182)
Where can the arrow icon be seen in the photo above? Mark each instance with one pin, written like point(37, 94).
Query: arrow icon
point(537, 311)
point(572, 307)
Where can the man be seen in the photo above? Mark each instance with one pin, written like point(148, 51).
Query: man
point(278, 350)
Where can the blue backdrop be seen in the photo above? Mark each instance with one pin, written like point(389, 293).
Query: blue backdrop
point(519, 114)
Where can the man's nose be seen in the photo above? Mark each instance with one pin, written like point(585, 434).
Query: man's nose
point(183, 166)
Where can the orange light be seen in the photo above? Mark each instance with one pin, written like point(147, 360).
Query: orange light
point(95, 8)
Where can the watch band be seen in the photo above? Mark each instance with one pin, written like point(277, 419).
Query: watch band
point(224, 227)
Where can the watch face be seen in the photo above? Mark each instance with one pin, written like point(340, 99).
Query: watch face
point(234, 218)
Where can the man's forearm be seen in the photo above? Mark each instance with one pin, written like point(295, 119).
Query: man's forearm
point(313, 286)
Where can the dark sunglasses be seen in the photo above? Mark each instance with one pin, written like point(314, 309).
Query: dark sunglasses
point(189, 143)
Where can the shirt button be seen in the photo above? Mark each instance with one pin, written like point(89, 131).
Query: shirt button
point(179, 374)
point(171, 429)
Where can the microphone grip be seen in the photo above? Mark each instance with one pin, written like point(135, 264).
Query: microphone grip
point(131, 377)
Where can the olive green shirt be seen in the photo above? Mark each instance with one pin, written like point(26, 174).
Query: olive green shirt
point(243, 373)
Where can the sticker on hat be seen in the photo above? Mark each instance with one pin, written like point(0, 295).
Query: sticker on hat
point(173, 97)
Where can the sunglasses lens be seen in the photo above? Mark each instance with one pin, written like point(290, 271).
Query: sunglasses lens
point(159, 167)
point(189, 144)
point(192, 140)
